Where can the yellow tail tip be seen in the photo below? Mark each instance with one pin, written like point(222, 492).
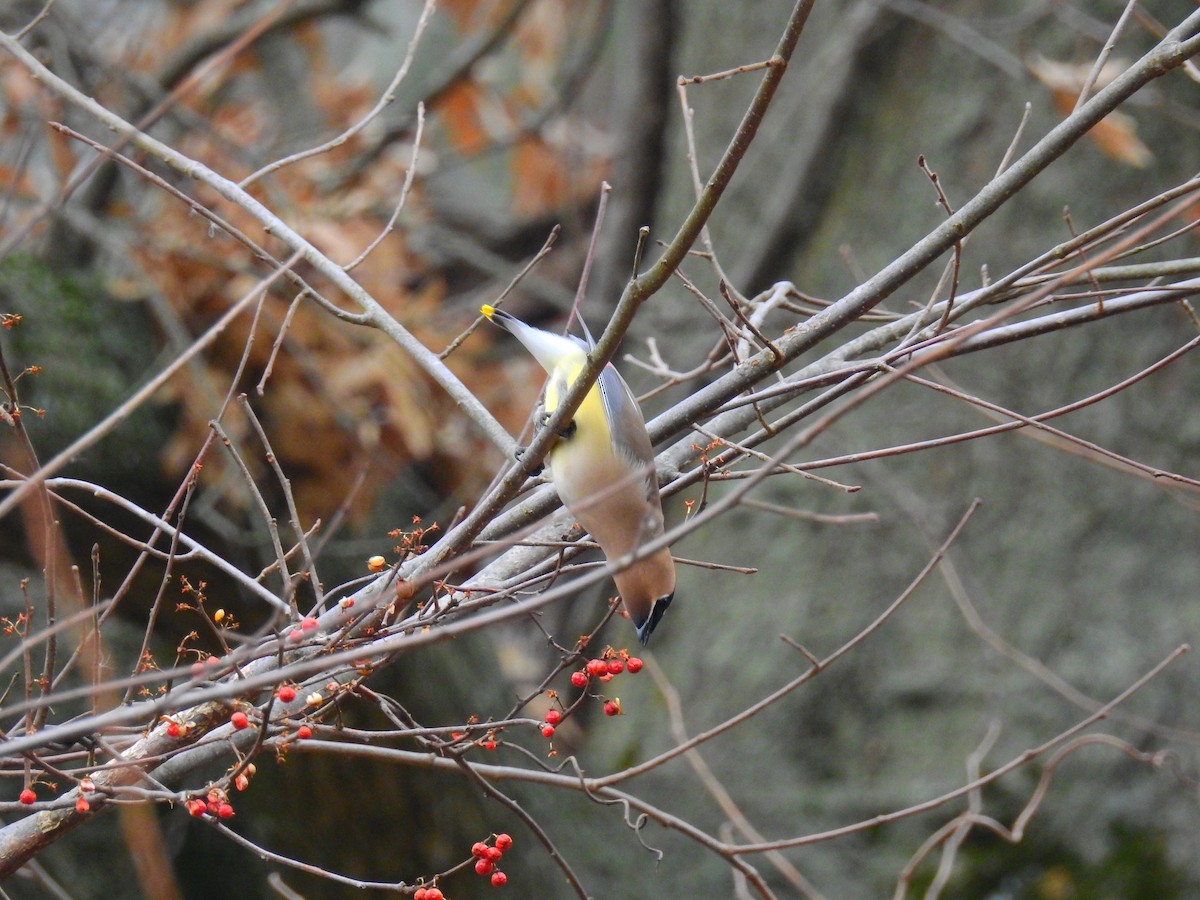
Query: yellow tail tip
point(487, 310)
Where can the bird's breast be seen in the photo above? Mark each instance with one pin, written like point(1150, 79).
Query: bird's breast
point(583, 463)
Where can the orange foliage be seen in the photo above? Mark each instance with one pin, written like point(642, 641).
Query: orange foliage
point(1116, 133)
point(461, 114)
point(340, 399)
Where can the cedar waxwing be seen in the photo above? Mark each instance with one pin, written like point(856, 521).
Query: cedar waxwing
point(603, 468)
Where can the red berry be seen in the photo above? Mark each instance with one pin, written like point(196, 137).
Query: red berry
point(173, 729)
point(579, 679)
point(238, 720)
point(224, 811)
point(612, 708)
point(634, 665)
point(286, 693)
point(479, 850)
point(503, 842)
point(421, 894)
point(553, 717)
point(28, 796)
point(596, 667)
point(196, 807)
point(494, 853)
point(309, 623)
point(303, 733)
point(82, 805)
point(483, 867)
point(615, 667)
point(434, 894)
point(547, 730)
point(489, 745)
point(499, 879)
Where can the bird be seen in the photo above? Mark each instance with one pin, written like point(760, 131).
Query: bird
point(602, 466)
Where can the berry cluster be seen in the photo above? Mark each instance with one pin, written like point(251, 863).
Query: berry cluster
point(201, 669)
point(86, 786)
point(285, 693)
point(487, 858)
point(308, 626)
point(603, 668)
point(216, 804)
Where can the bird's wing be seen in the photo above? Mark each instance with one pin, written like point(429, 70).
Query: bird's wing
point(627, 432)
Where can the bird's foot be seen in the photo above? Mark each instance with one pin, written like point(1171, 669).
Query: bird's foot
point(565, 433)
point(535, 472)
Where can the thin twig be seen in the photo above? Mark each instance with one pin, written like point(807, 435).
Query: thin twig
point(388, 96)
point(409, 176)
point(1105, 52)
